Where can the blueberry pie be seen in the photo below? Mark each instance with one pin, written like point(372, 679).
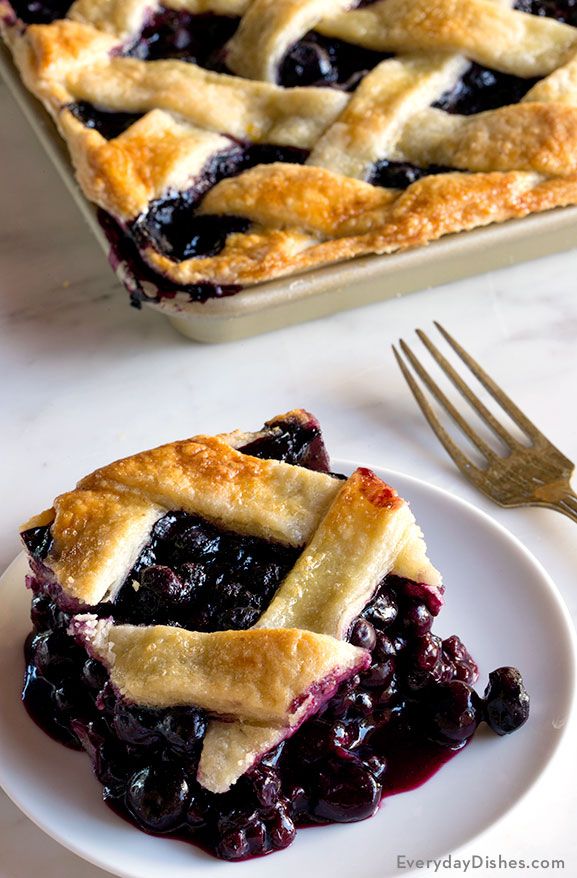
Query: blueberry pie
point(241, 640)
point(229, 142)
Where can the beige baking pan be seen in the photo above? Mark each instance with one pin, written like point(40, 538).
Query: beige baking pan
point(324, 291)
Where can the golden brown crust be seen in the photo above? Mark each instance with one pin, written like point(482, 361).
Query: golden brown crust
point(517, 159)
point(539, 137)
point(155, 154)
point(432, 207)
point(39, 520)
point(485, 31)
point(266, 677)
point(98, 535)
point(99, 528)
point(119, 17)
point(69, 61)
point(205, 476)
point(354, 547)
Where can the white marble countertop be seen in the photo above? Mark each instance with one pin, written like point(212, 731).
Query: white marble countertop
point(86, 379)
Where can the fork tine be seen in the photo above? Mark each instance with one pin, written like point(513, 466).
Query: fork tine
point(466, 391)
point(447, 405)
point(570, 502)
point(504, 401)
point(567, 508)
point(465, 465)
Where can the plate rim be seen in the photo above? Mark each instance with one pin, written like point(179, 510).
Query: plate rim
point(554, 592)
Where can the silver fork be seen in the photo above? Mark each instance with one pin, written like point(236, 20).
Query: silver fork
point(527, 475)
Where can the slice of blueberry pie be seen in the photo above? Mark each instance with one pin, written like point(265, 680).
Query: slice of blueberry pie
point(229, 142)
point(241, 640)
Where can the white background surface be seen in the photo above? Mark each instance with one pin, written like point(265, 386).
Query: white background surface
point(85, 379)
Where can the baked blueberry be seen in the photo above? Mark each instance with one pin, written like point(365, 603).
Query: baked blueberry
point(157, 797)
point(452, 713)
point(506, 701)
point(345, 792)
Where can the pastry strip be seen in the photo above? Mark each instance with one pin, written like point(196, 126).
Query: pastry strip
point(270, 677)
point(367, 527)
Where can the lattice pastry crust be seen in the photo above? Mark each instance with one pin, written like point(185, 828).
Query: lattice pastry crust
point(511, 161)
point(265, 681)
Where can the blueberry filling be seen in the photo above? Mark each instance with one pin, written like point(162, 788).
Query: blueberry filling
point(199, 39)
point(171, 225)
point(266, 154)
point(201, 577)
point(316, 60)
point(334, 769)
point(142, 282)
point(385, 730)
point(292, 442)
point(39, 11)
point(38, 541)
point(107, 123)
point(483, 89)
point(400, 175)
point(561, 10)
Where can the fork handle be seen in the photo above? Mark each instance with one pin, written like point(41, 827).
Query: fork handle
point(566, 503)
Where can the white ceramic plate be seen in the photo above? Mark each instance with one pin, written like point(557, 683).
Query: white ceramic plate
point(498, 598)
